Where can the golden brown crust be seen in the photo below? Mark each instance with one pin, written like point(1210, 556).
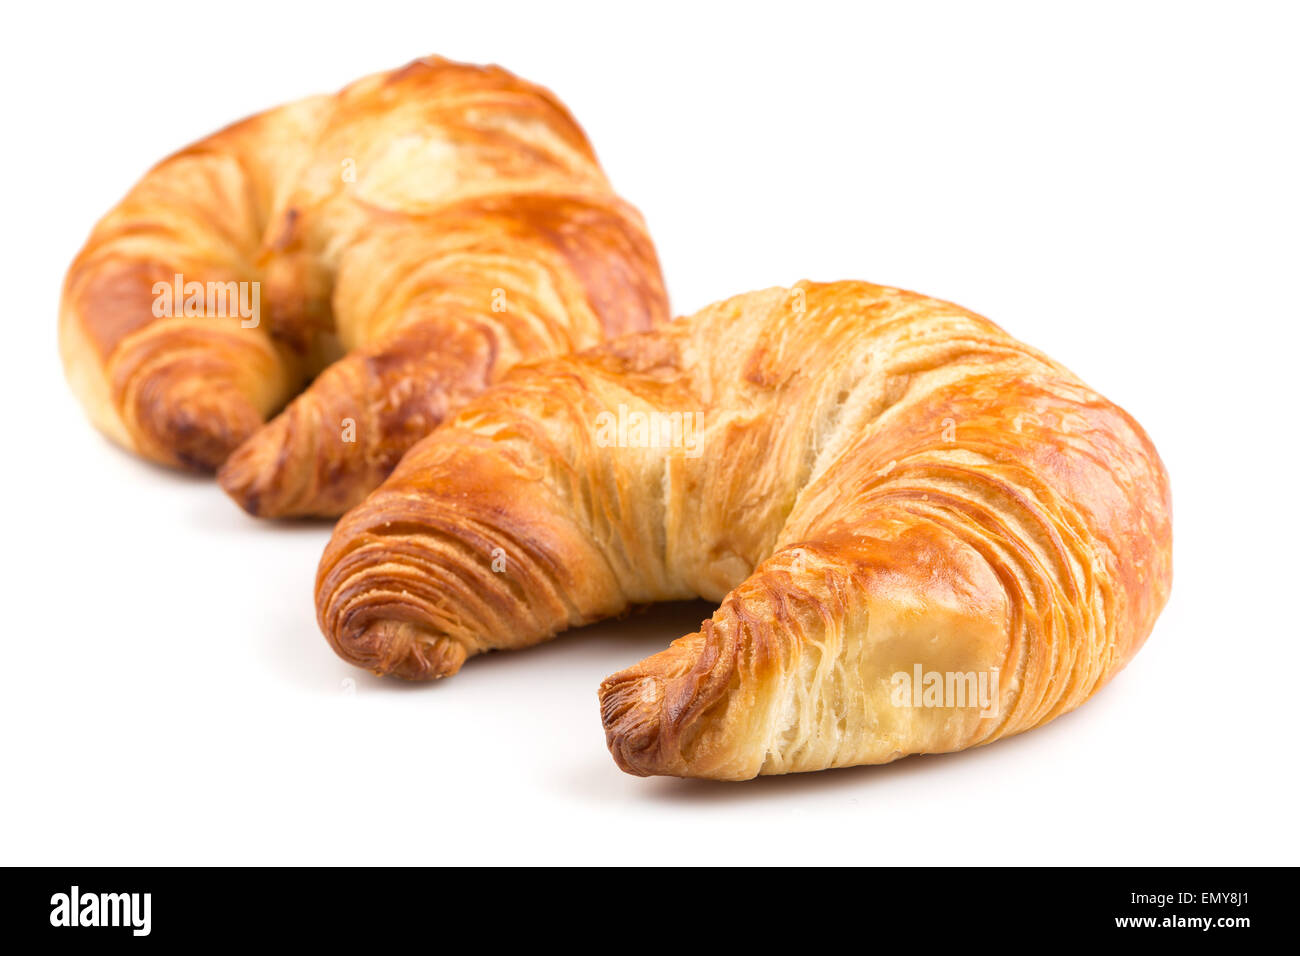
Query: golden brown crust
point(441, 305)
point(185, 390)
point(881, 482)
point(436, 223)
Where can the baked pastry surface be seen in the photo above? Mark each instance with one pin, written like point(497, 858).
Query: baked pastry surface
point(403, 243)
point(881, 484)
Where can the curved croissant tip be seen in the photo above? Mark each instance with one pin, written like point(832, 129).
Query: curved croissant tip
point(402, 649)
point(203, 428)
point(251, 475)
point(630, 709)
point(285, 470)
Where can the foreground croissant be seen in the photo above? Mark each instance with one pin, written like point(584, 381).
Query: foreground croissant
point(435, 225)
point(878, 487)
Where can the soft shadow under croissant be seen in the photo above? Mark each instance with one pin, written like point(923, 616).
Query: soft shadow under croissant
point(882, 490)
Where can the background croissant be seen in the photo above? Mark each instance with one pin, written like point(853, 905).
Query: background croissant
point(432, 226)
point(882, 482)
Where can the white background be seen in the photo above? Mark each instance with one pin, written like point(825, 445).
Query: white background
point(1116, 185)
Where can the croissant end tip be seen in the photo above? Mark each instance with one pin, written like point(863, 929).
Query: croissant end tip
point(402, 649)
point(634, 733)
point(657, 719)
point(287, 469)
point(244, 477)
point(201, 431)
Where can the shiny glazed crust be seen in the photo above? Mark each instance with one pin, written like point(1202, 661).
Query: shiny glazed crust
point(880, 482)
point(427, 228)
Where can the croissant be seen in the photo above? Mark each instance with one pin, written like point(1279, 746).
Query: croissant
point(402, 243)
point(924, 535)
